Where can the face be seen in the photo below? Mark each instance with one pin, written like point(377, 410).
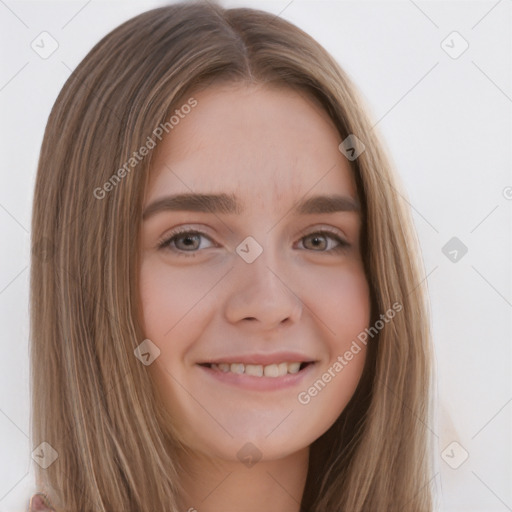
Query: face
point(253, 293)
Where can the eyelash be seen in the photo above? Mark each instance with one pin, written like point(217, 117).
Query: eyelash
point(164, 244)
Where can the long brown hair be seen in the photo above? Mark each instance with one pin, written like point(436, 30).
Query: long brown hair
point(92, 400)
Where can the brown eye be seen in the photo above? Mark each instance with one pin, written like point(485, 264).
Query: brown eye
point(190, 242)
point(183, 241)
point(320, 242)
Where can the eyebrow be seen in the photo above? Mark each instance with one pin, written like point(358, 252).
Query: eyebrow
point(228, 204)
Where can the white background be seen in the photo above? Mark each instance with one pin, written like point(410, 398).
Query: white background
point(447, 124)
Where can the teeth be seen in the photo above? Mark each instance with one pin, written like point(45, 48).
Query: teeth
point(272, 370)
point(258, 370)
point(237, 368)
point(293, 367)
point(254, 369)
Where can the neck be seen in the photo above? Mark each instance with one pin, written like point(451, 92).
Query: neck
point(210, 485)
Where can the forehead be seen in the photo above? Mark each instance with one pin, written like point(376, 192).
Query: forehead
point(264, 144)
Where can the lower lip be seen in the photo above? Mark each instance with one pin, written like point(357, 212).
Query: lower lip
point(250, 382)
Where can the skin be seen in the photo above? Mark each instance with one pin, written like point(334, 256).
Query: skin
point(272, 147)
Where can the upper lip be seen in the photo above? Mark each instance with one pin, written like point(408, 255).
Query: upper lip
point(262, 359)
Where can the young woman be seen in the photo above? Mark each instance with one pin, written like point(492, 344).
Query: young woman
point(226, 300)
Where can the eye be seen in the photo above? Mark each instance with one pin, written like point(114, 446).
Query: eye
point(182, 241)
point(320, 240)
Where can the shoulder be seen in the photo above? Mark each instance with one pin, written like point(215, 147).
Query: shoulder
point(39, 503)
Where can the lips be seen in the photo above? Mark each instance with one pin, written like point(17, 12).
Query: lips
point(278, 374)
point(260, 358)
point(273, 370)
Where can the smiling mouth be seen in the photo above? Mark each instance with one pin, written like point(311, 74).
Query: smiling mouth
point(258, 370)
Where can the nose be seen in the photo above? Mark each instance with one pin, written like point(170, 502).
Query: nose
point(262, 294)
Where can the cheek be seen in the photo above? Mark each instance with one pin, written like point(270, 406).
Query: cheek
point(325, 397)
point(341, 302)
point(170, 297)
point(173, 315)
point(179, 304)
